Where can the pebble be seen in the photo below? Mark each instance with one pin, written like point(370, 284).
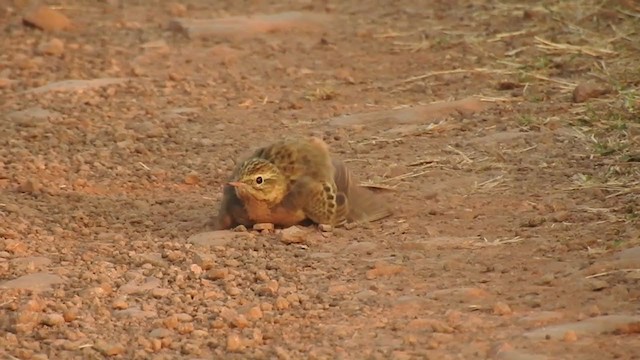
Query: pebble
point(270, 288)
point(292, 235)
point(597, 284)
point(282, 303)
point(54, 47)
point(588, 90)
point(160, 292)
point(501, 308)
point(34, 282)
point(160, 333)
point(383, 269)
point(570, 336)
point(109, 349)
point(47, 19)
point(204, 260)
point(120, 304)
point(254, 314)
point(53, 319)
point(234, 342)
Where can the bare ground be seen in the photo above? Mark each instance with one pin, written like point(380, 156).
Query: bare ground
point(516, 231)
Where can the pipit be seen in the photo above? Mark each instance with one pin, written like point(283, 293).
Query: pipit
point(294, 180)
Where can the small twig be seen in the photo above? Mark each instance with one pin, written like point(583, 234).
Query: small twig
point(455, 71)
point(143, 165)
point(465, 157)
point(610, 272)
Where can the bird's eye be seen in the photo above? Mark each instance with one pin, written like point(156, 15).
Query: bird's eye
point(259, 180)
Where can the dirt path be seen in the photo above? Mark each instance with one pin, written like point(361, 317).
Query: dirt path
point(507, 135)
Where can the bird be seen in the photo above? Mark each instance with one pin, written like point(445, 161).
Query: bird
point(292, 181)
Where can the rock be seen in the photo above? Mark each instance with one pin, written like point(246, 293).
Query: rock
point(160, 292)
point(140, 285)
point(192, 179)
point(293, 235)
point(246, 26)
point(591, 326)
point(53, 319)
point(134, 313)
point(109, 349)
point(597, 284)
point(383, 269)
point(33, 117)
point(325, 227)
point(160, 333)
point(54, 47)
point(153, 258)
point(263, 227)
point(46, 19)
point(177, 9)
point(588, 90)
point(5, 83)
point(215, 238)
point(31, 262)
point(30, 187)
point(234, 342)
point(204, 260)
point(270, 288)
point(77, 85)
point(501, 308)
point(34, 282)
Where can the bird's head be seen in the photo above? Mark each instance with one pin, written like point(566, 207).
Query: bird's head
point(258, 179)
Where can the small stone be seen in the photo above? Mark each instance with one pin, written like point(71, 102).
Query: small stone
point(160, 333)
point(501, 308)
point(205, 261)
point(383, 269)
point(240, 322)
point(270, 288)
point(192, 179)
point(233, 291)
point(263, 227)
point(292, 235)
point(255, 313)
point(176, 9)
point(588, 90)
point(325, 227)
point(217, 274)
point(33, 282)
point(70, 315)
point(30, 187)
point(54, 47)
point(119, 304)
point(597, 284)
point(282, 303)
point(160, 292)
point(234, 342)
point(109, 349)
point(53, 319)
point(196, 269)
point(546, 279)
point(46, 19)
point(570, 336)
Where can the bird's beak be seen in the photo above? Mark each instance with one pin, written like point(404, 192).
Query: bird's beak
point(235, 183)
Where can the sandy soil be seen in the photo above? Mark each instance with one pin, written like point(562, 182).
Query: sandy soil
point(505, 134)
